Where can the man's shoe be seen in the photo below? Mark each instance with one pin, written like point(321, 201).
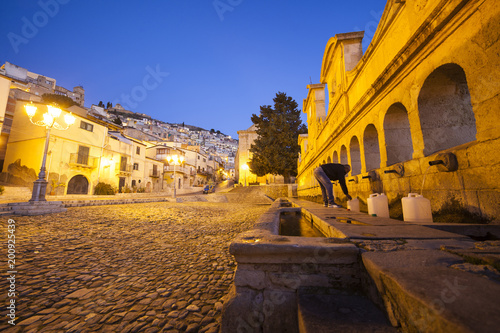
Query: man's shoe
point(334, 206)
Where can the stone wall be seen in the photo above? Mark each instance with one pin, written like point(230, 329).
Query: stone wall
point(272, 269)
point(433, 89)
point(281, 191)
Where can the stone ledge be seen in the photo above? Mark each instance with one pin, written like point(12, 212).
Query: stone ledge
point(421, 292)
point(37, 208)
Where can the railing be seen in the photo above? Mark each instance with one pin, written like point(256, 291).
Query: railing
point(83, 161)
point(154, 174)
point(123, 169)
point(170, 168)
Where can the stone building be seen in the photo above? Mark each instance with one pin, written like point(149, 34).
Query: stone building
point(426, 89)
point(243, 156)
point(78, 158)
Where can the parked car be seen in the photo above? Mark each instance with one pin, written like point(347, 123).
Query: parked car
point(209, 189)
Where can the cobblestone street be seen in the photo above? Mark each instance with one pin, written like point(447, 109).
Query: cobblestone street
point(154, 267)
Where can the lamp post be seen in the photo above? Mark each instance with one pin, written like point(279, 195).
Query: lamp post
point(175, 160)
point(48, 121)
point(245, 167)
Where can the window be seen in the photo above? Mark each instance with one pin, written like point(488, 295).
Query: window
point(136, 166)
point(155, 169)
point(83, 155)
point(123, 163)
point(87, 126)
point(133, 183)
point(138, 150)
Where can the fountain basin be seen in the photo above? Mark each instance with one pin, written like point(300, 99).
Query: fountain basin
point(273, 268)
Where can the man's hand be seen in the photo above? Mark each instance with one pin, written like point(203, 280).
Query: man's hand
point(348, 197)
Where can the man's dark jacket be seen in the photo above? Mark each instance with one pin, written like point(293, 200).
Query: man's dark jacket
point(336, 171)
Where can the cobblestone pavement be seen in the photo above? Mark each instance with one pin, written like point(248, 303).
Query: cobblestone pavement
point(155, 267)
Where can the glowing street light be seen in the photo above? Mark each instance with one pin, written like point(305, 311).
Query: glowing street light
point(175, 160)
point(49, 121)
point(245, 167)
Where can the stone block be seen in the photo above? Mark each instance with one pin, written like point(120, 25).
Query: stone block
point(413, 167)
point(481, 178)
point(250, 278)
point(489, 204)
point(280, 310)
point(242, 311)
point(483, 154)
point(314, 280)
point(283, 281)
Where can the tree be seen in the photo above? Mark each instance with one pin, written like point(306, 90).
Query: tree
point(109, 105)
point(101, 104)
point(118, 121)
point(276, 148)
point(61, 100)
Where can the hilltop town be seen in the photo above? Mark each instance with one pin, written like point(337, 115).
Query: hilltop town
point(122, 149)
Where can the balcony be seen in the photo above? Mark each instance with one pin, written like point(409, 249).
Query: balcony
point(170, 168)
point(154, 173)
point(123, 170)
point(82, 161)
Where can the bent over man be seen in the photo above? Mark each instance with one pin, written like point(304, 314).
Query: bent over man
point(325, 173)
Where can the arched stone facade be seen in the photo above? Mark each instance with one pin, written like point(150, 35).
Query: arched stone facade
point(428, 84)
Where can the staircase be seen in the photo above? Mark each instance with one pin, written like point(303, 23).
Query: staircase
point(340, 312)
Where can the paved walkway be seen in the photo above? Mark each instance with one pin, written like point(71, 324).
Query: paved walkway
point(148, 267)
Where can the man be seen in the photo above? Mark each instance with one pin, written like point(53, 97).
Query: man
point(325, 173)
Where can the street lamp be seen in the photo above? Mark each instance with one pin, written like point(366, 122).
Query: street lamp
point(245, 167)
point(48, 121)
point(175, 160)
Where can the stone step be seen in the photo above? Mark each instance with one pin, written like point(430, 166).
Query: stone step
point(5, 209)
point(36, 208)
point(340, 312)
point(430, 291)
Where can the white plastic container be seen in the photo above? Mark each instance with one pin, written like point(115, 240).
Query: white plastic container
point(353, 205)
point(378, 204)
point(416, 208)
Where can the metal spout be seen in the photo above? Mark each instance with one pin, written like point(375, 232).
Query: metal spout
point(391, 171)
point(366, 177)
point(436, 162)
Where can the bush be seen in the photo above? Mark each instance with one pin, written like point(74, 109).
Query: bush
point(126, 189)
point(104, 189)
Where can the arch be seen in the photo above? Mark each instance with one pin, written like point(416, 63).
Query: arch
point(371, 147)
point(78, 185)
point(398, 142)
point(329, 160)
point(444, 104)
point(355, 156)
point(343, 155)
point(335, 157)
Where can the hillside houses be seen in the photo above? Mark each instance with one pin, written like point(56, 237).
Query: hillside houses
point(111, 145)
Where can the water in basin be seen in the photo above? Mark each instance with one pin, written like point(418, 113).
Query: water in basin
point(295, 224)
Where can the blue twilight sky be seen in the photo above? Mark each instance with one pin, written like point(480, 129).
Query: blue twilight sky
point(209, 63)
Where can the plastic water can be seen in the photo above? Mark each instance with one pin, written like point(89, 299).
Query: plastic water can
point(378, 204)
point(416, 208)
point(353, 205)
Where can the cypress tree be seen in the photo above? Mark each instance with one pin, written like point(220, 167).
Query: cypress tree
point(275, 151)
